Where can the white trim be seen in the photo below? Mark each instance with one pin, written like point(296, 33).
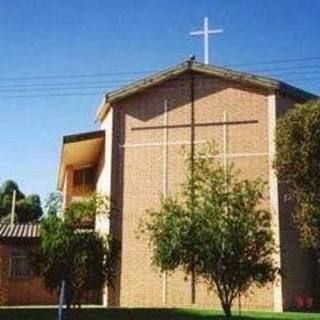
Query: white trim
point(102, 223)
point(159, 144)
point(239, 155)
point(225, 142)
point(274, 199)
point(165, 184)
point(165, 149)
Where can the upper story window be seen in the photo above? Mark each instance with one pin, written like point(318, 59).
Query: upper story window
point(20, 265)
point(83, 180)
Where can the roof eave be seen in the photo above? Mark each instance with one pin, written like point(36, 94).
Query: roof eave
point(296, 92)
point(75, 138)
point(255, 80)
point(233, 75)
point(102, 109)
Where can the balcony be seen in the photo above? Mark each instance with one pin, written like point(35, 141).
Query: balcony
point(80, 183)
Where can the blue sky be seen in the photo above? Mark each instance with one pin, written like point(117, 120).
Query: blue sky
point(43, 42)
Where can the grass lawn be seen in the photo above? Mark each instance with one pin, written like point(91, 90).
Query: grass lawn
point(147, 314)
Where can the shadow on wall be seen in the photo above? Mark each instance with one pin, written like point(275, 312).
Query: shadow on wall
point(178, 92)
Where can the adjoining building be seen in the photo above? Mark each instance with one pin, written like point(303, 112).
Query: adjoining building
point(19, 284)
point(137, 156)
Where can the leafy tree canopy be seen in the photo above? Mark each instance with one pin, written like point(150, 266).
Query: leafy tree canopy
point(28, 208)
point(216, 229)
point(53, 204)
point(297, 164)
point(79, 256)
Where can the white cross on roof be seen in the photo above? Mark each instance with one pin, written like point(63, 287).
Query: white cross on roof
point(206, 32)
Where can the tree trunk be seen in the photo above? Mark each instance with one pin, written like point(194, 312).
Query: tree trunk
point(227, 310)
point(193, 285)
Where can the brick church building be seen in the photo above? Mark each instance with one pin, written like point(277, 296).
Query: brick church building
point(136, 157)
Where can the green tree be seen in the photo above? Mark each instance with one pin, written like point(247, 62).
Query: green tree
point(297, 165)
point(82, 213)
point(215, 229)
point(28, 208)
point(9, 186)
point(53, 204)
point(80, 257)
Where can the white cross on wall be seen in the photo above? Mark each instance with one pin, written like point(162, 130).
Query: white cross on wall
point(206, 32)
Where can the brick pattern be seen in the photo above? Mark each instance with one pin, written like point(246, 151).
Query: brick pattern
point(29, 291)
point(3, 276)
point(138, 175)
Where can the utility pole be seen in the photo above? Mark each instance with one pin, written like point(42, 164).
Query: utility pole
point(61, 300)
point(205, 33)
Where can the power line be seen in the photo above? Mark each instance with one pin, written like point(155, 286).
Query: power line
point(315, 66)
point(102, 92)
point(273, 62)
point(134, 79)
point(53, 95)
point(56, 92)
point(62, 84)
point(119, 73)
point(106, 84)
point(112, 83)
point(99, 85)
point(72, 76)
point(306, 79)
point(293, 73)
point(58, 88)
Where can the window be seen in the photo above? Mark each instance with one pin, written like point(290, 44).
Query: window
point(20, 265)
point(83, 180)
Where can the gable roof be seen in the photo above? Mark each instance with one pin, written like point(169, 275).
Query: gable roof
point(211, 70)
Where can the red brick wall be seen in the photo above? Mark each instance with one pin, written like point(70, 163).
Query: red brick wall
point(29, 291)
point(3, 276)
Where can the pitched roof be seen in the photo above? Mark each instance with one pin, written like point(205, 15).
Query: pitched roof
point(83, 136)
point(211, 70)
point(19, 231)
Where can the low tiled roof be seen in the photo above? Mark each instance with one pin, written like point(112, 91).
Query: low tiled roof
point(19, 231)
